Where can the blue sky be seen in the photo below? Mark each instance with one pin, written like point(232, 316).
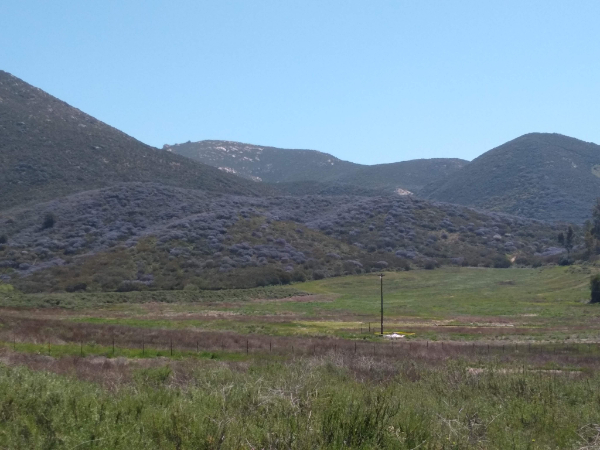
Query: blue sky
point(368, 81)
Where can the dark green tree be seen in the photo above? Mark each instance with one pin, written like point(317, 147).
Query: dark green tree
point(49, 221)
point(595, 229)
point(567, 240)
point(595, 288)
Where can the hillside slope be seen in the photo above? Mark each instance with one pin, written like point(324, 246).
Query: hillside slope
point(150, 236)
point(49, 149)
point(260, 163)
point(538, 175)
point(297, 167)
point(411, 175)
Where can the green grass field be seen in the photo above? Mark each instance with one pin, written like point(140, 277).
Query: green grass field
point(446, 304)
point(491, 359)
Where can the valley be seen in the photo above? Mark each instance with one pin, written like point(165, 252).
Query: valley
point(216, 294)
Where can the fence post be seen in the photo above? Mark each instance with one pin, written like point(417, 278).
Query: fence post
point(113, 346)
point(81, 348)
point(270, 347)
point(369, 327)
point(143, 348)
point(247, 346)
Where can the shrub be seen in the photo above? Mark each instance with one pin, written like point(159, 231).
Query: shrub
point(49, 221)
point(318, 275)
point(285, 278)
point(128, 286)
point(298, 275)
point(78, 287)
point(429, 264)
point(3, 239)
point(564, 261)
point(502, 262)
point(595, 289)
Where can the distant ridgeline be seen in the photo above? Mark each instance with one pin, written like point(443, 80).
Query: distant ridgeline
point(543, 176)
point(297, 167)
point(539, 175)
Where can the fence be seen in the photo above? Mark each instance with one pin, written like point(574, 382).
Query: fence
point(265, 345)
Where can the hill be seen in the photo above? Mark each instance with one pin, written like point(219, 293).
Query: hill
point(138, 236)
point(261, 163)
point(299, 168)
point(49, 149)
point(538, 175)
point(411, 175)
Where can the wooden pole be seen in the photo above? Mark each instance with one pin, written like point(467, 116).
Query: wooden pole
point(381, 279)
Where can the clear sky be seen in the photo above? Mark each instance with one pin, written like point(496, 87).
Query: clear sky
point(368, 81)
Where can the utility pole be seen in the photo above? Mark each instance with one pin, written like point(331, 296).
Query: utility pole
point(381, 279)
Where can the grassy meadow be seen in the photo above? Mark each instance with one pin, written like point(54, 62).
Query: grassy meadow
point(490, 359)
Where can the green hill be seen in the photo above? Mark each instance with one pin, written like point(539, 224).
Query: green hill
point(261, 163)
point(49, 149)
point(539, 175)
point(411, 175)
point(297, 169)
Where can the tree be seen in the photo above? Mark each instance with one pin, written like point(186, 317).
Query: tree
point(595, 288)
point(595, 230)
point(567, 240)
point(49, 221)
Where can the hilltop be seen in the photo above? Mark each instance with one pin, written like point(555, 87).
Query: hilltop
point(539, 175)
point(298, 169)
point(49, 149)
point(262, 163)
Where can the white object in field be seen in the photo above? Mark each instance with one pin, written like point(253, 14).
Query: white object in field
point(393, 336)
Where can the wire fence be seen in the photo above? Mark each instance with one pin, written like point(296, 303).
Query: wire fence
point(386, 348)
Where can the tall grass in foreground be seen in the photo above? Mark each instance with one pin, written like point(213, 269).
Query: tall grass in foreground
point(309, 403)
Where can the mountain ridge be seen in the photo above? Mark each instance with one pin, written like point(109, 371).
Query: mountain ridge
point(545, 176)
point(49, 148)
point(277, 165)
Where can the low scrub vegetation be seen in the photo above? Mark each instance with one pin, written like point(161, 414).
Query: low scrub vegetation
point(139, 237)
point(323, 402)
